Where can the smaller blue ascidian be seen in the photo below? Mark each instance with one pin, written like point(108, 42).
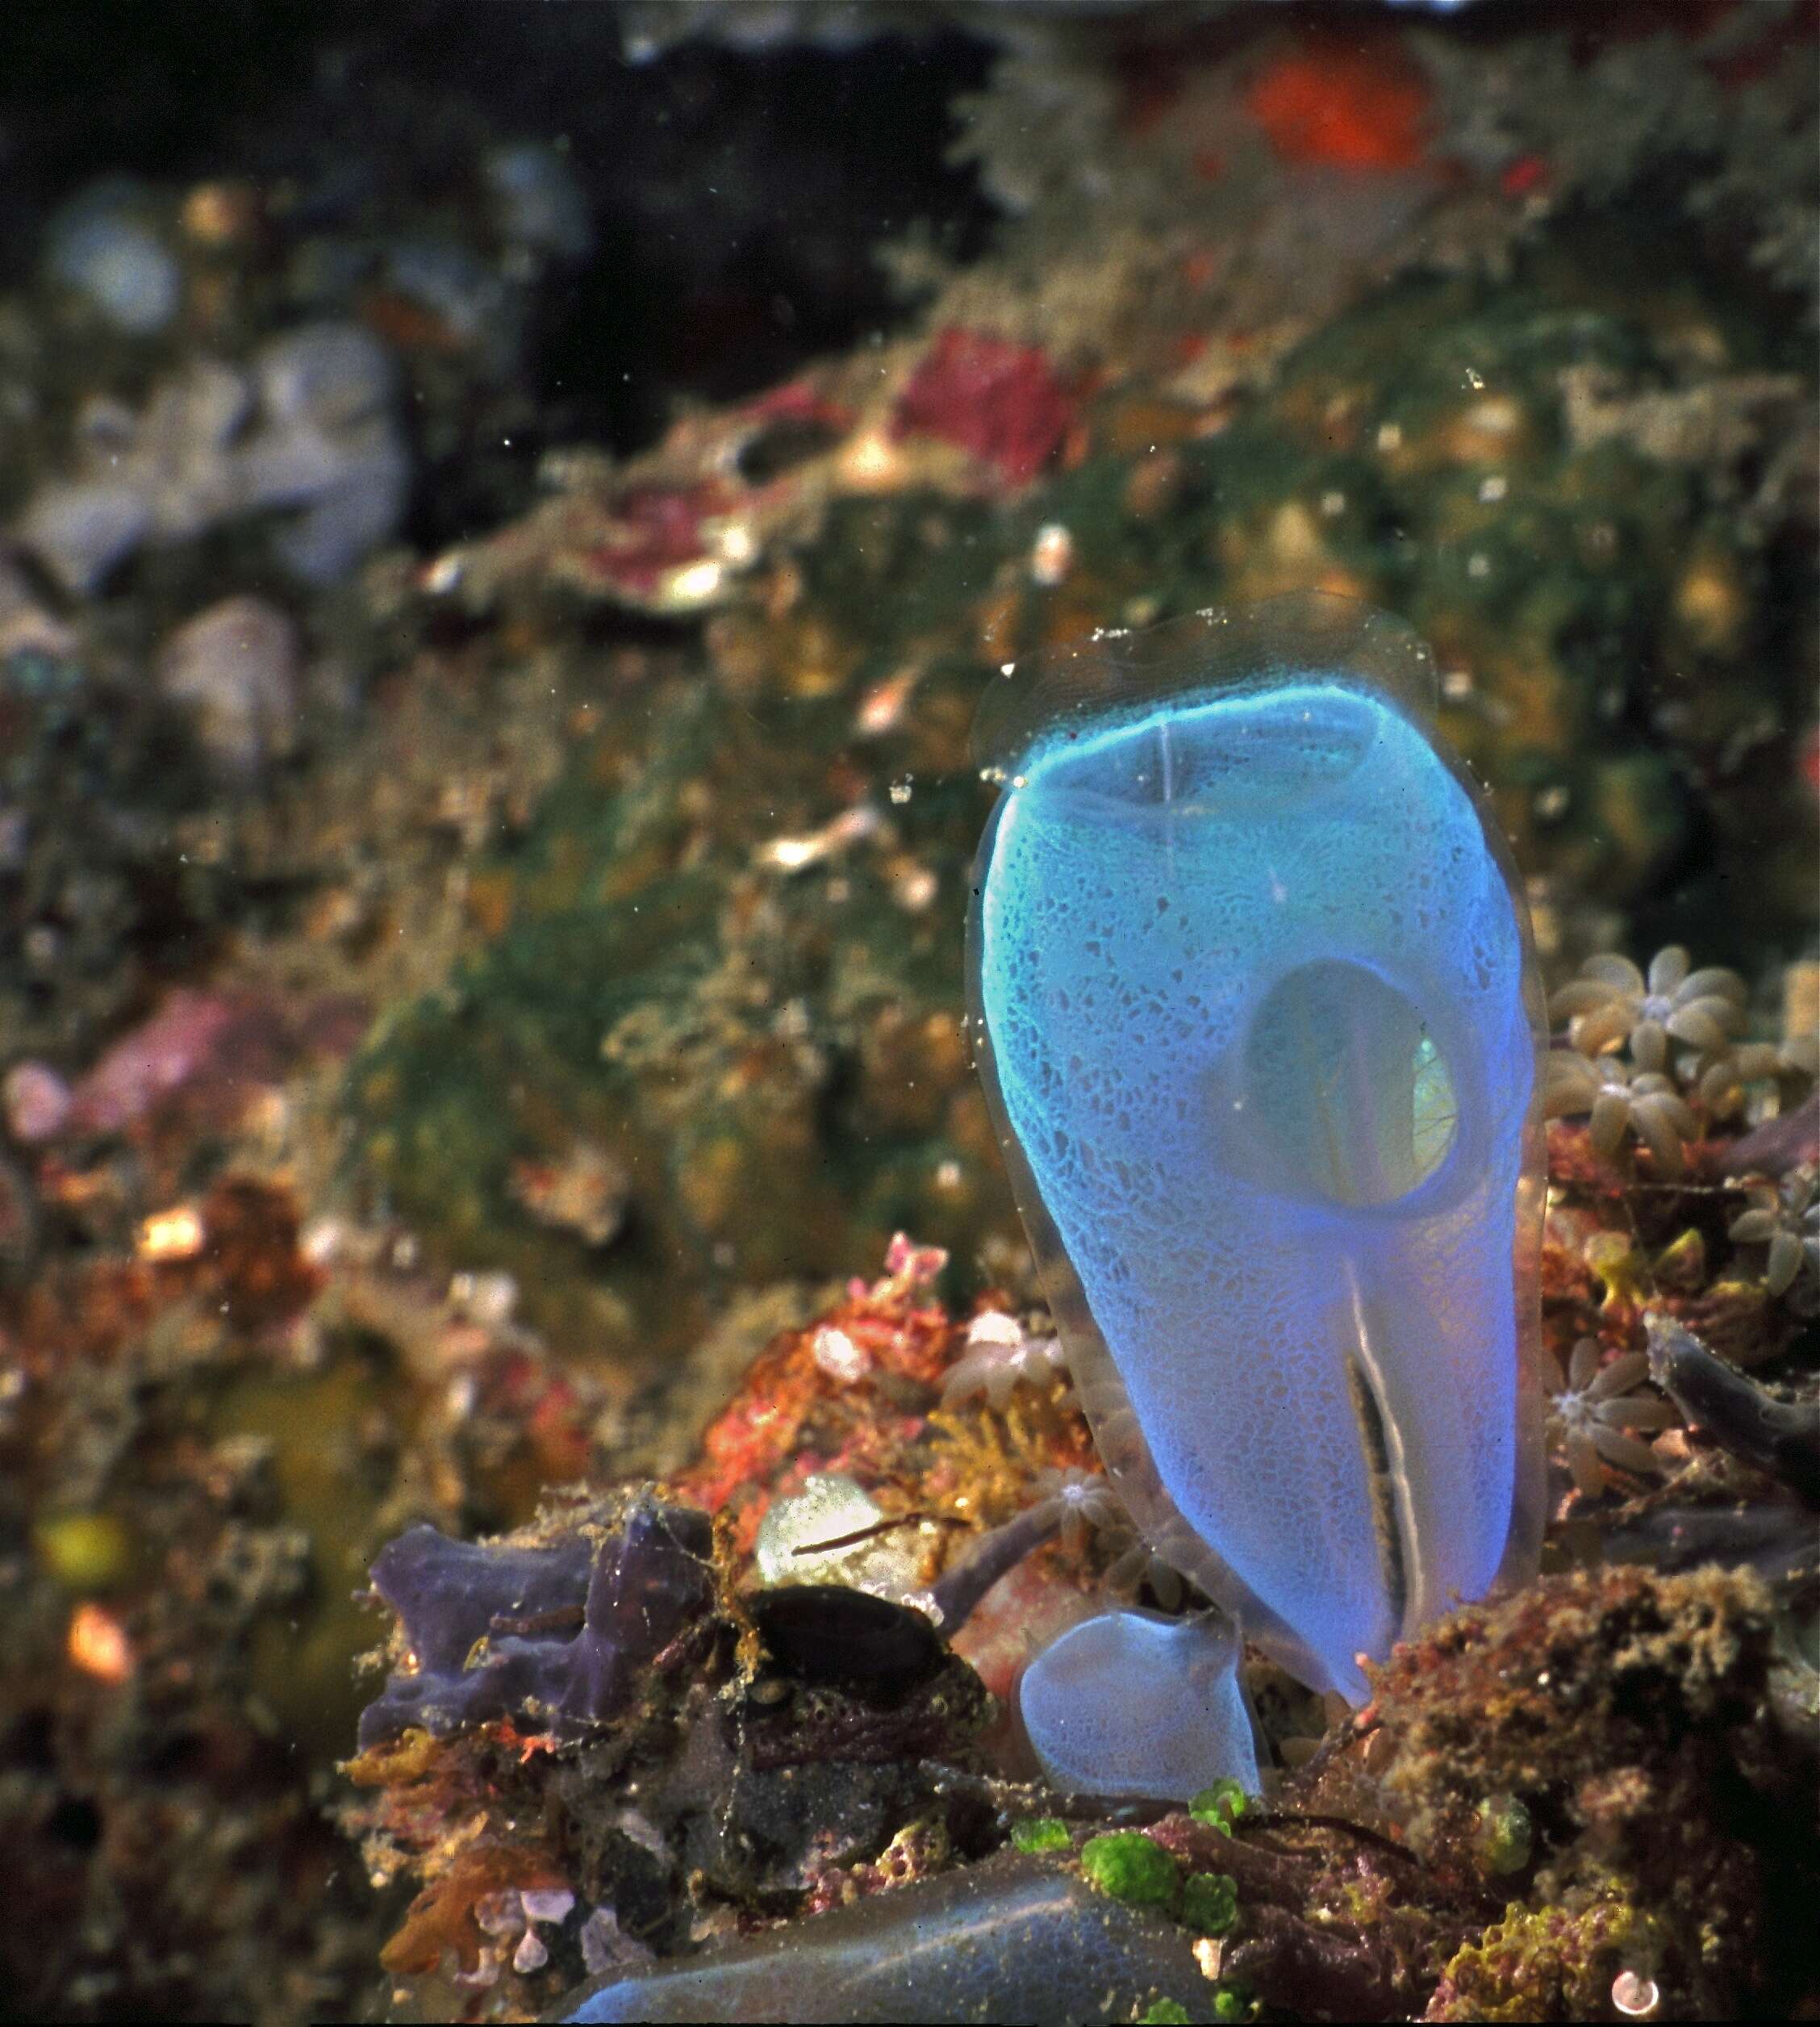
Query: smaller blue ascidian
point(1130, 1702)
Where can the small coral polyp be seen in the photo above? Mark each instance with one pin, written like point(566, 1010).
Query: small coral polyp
point(1259, 1020)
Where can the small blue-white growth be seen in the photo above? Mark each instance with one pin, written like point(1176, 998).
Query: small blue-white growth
point(1129, 1703)
point(538, 201)
point(99, 246)
point(1258, 1022)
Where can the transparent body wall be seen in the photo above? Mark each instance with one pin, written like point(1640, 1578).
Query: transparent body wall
point(1258, 1014)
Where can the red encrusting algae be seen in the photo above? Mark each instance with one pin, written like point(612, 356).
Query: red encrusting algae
point(1003, 402)
point(1352, 105)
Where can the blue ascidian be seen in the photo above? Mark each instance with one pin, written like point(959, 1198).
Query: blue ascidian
point(1258, 1017)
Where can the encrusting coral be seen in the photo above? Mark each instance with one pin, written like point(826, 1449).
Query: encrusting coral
point(1612, 1004)
point(1573, 1960)
point(1594, 1411)
point(1786, 1218)
point(1689, 1068)
point(1619, 1098)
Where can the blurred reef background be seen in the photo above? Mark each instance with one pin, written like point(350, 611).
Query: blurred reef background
point(505, 514)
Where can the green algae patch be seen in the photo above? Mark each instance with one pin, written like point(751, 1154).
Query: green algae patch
point(1221, 1806)
point(1126, 1866)
point(1164, 2013)
point(1505, 1835)
point(1554, 1963)
point(86, 1552)
point(301, 1660)
point(714, 963)
point(1042, 1833)
point(1210, 1903)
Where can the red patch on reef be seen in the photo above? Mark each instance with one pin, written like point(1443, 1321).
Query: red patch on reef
point(793, 1416)
point(250, 1265)
point(798, 401)
point(215, 1050)
point(1528, 173)
point(1343, 104)
point(1034, 1602)
point(1739, 68)
point(655, 530)
point(1002, 403)
point(523, 1391)
point(1807, 762)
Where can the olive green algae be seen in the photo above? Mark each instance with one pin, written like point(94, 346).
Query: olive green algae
point(666, 989)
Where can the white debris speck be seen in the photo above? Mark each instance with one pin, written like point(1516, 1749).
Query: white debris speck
point(235, 665)
point(915, 889)
point(1052, 554)
point(486, 1299)
point(695, 584)
point(1000, 1355)
point(837, 1355)
point(795, 854)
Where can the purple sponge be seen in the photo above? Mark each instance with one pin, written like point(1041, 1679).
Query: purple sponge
point(562, 1647)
